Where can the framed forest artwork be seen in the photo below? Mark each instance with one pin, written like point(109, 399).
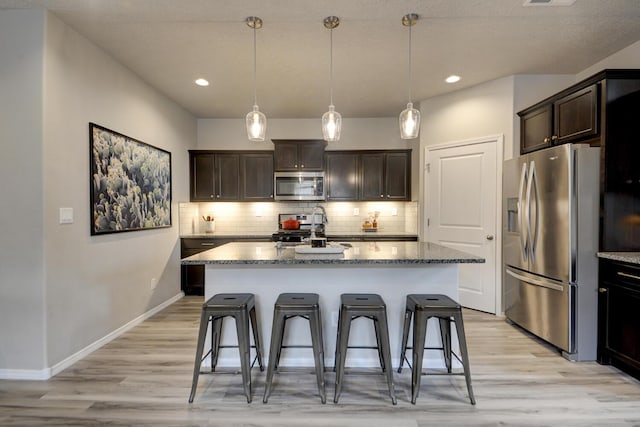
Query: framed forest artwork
point(130, 183)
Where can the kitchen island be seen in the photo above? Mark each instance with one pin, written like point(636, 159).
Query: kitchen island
point(391, 269)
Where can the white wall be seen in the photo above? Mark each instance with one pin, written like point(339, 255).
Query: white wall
point(479, 111)
point(628, 57)
point(84, 287)
point(97, 284)
point(22, 293)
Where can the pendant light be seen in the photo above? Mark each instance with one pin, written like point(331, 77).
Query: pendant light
point(331, 120)
point(410, 117)
point(256, 120)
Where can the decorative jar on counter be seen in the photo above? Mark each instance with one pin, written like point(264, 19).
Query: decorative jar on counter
point(209, 224)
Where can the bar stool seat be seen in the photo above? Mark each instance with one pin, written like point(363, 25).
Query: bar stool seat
point(371, 306)
point(422, 307)
point(242, 308)
point(287, 306)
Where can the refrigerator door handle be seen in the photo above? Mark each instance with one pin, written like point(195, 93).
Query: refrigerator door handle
point(534, 281)
point(522, 212)
point(535, 227)
point(530, 179)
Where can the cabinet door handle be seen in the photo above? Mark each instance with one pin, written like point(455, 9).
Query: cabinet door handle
point(207, 244)
point(546, 140)
point(630, 276)
point(554, 138)
point(382, 196)
point(603, 290)
point(301, 166)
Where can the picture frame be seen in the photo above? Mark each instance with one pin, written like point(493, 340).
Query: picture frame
point(130, 183)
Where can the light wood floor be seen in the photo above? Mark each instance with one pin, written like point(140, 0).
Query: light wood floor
point(143, 379)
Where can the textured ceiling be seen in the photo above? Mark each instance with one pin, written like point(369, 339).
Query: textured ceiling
point(170, 43)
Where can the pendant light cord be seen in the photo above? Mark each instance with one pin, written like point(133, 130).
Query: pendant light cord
point(410, 74)
point(255, 98)
point(331, 67)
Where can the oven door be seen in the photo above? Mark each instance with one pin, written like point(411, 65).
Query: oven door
point(299, 186)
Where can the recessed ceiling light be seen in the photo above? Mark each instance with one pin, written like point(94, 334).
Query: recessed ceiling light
point(452, 79)
point(202, 82)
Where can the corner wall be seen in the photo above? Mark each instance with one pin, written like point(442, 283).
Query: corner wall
point(64, 292)
point(22, 293)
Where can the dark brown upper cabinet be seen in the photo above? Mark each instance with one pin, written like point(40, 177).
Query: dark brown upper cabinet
point(227, 177)
point(342, 175)
point(231, 176)
point(202, 183)
point(257, 176)
point(385, 175)
point(570, 117)
point(299, 155)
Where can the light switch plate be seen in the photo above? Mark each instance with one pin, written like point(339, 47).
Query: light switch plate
point(66, 215)
point(356, 211)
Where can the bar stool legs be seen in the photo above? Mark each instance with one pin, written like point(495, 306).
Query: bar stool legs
point(423, 307)
point(373, 307)
point(290, 305)
point(242, 308)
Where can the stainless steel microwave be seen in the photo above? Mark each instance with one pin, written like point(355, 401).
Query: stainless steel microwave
point(299, 185)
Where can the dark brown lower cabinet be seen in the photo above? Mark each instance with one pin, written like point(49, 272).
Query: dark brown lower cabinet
point(192, 276)
point(619, 316)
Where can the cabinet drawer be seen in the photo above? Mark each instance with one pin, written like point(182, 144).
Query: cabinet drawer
point(621, 274)
point(202, 244)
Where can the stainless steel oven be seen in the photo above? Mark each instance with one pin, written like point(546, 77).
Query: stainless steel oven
point(299, 185)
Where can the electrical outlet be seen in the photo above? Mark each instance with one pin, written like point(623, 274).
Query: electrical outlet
point(356, 211)
point(154, 283)
point(334, 318)
point(394, 211)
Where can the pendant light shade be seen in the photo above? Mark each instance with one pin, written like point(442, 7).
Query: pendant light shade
point(410, 117)
point(331, 124)
point(256, 120)
point(409, 122)
point(331, 120)
point(256, 124)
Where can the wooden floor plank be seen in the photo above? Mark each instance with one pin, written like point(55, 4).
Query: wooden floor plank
point(143, 378)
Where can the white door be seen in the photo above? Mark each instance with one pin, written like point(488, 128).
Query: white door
point(461, 182)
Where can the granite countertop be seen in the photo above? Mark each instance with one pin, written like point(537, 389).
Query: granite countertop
point(630, 257)
point(217, 235)
point(330, 235)
point(388, 253)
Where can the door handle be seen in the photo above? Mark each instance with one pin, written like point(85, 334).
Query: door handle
point(534, 281)
point(489, 237)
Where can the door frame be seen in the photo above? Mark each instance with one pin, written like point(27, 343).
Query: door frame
point(498, 139)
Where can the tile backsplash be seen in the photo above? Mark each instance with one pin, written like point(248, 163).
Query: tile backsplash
point(262, 218)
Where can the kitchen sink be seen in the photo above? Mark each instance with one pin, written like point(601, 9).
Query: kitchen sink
point(329, 249)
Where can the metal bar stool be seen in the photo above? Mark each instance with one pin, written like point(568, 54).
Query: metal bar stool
point(371, 306)
point(422, 307)
point(287, 306)
point(242, 308)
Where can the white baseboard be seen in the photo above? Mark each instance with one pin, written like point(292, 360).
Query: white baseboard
point(45, 374)
point(25, 374)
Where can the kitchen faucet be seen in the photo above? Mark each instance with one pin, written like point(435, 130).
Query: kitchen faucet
point(325, 220)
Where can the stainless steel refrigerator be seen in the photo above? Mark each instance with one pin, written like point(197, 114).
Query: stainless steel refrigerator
point(550, 240)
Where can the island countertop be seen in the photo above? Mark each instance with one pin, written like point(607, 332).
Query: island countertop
point(354, 253)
